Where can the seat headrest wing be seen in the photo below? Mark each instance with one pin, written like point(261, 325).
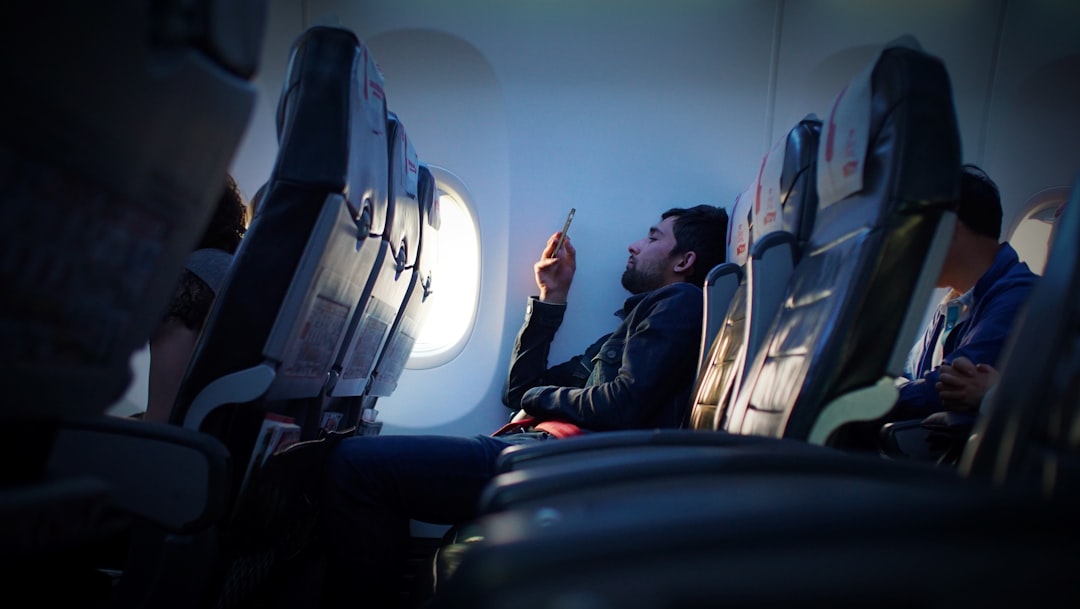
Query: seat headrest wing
point(738, 237)
point(767, 216)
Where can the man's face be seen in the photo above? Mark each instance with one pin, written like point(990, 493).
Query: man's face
point(961, 240)
point(651, 264)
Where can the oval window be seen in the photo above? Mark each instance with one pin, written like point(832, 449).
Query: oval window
point(1030, 236)
point(455, 276)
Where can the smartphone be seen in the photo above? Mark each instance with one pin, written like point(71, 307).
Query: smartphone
point(562, 234)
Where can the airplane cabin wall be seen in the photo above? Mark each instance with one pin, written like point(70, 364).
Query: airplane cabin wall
point(625, 108)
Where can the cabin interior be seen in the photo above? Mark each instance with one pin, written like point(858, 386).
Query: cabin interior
point(499, 118)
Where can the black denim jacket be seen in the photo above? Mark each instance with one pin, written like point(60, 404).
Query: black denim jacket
point(637, 377)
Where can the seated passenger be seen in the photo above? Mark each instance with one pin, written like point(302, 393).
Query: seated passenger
point(638, 376)
point(963, 384)
point(988, 285)
point(174, 340)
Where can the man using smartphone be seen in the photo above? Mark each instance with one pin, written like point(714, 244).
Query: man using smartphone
point(637, 376)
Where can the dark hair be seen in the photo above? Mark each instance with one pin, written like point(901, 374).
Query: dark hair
point(228, 224)
point(980, 202)
point(701, 229)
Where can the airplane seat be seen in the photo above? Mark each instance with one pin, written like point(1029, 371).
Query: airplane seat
point(109, 175)
point(724, 316)
point(719, 288)
point(384, 296)
point(410, 320)
point(798, 179)
point(785, 203)
point(888, 172)
point(256, 379)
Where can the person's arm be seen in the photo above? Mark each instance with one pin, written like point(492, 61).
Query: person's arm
point(655, 363)
point(543, 316)
point(963, 383)
point(173, 343)
point(982, 342)
point(170, 349)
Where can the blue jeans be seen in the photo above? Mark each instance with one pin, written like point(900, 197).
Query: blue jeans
point(377, 484)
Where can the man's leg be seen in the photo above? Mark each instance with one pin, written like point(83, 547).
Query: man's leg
point(376, 485)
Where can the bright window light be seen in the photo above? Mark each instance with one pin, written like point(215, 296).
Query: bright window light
point(1031, 235)
point(455, 277)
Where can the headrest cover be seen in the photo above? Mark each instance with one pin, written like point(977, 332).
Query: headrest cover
point(374, 95)
point(843, 153)
point(738, 239)
point(766, 214)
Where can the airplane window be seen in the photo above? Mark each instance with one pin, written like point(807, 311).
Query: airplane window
point(455, 277)
point(1031, 235)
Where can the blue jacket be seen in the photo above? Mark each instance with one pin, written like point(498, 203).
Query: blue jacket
point(996, 299)
point(638, 376)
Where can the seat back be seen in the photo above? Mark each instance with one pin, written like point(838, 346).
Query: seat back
point(110, 169)
point(410, 319)
point(720, 286)
point(785, 203)
point(258, 376)
point(106, 191)
point(779, 203)
point(887, 174)
point(384, 295)
point(725, 312)
point(296, 280)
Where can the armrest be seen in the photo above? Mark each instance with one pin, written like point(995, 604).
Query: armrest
point(173, 477)
point(931, 439)
point(730, 454)
point(592, 445)
point(524, 455)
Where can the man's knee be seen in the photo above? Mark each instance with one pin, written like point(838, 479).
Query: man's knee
point(357, 463)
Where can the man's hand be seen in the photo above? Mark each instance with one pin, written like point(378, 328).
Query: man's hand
point(963, 384)
point(554, 275)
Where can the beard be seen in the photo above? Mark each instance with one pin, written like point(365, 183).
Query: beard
point(639, 281)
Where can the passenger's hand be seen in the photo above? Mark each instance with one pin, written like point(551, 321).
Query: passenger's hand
point(554, 275)
point(963, 384)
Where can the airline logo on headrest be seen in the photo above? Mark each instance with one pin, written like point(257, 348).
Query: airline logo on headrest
point(376, 89)
point(841, 158)
point(850, 152)
point(372, 77)
point(737, 229)
point(373, 88)
point(767, 189)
